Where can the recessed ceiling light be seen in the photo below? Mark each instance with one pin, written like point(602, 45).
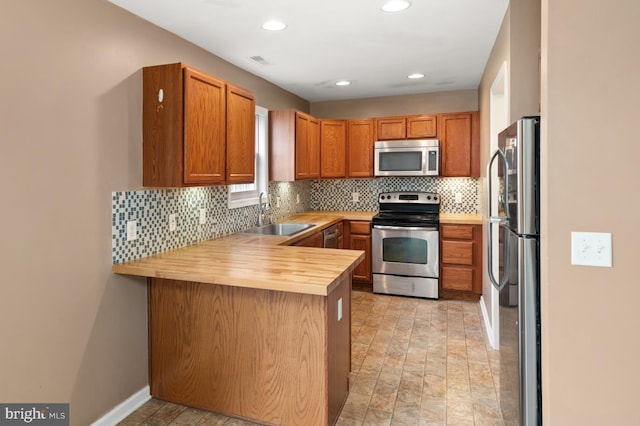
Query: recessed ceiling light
point(274, 25)
point(415, 75)
point(343, 83)
point(395, 5)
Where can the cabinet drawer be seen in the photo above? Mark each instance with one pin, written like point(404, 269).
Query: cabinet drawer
point(457, 278)
point(457, 232)
point(458, 252)
point(362, 228)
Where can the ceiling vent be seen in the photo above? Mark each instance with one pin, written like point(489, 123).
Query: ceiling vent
point(259, 59)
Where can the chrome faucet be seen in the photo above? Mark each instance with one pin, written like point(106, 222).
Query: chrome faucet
point(263, 210)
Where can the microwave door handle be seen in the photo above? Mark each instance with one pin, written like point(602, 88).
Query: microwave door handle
point(497, 220)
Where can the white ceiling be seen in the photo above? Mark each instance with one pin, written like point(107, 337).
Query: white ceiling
point(329, 40)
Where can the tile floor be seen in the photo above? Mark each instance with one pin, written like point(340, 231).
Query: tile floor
point(414, 362)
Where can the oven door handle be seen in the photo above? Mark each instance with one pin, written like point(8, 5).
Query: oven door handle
point(405, 228)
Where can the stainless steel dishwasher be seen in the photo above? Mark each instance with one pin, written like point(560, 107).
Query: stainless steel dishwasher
point(330, 237)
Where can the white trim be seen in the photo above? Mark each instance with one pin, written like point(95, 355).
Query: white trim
point(122, 410)
point(487, 324)
point(498, 120)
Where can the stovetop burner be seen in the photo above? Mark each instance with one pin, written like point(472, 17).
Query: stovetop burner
point(408, 209)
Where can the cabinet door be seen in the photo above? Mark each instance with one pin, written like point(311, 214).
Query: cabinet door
point(302, 147)
point(459, 145)
point(241, 140)
point(204, 128)
point(362, 242)
point(282, 145)
point(313, 141)
point(391, 128)
point(422, 126)
point(314, 240)
point(360, 148)
point(333, 141)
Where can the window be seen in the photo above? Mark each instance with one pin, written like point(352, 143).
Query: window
point(247, 194)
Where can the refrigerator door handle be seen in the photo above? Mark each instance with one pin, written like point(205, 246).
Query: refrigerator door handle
point(500, 220)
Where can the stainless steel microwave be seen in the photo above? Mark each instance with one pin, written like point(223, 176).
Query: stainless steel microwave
point(418, 157)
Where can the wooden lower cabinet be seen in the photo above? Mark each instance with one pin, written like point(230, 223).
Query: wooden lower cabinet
point(358, 237)
point(314, 240)
point(460, 261)
point(273, 357)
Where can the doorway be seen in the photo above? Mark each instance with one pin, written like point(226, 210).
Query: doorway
point(498, 121)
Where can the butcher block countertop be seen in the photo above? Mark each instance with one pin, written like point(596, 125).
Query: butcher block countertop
point(460, 219)
point(258, 261)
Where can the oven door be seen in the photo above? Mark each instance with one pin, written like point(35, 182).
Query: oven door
point(407, 251)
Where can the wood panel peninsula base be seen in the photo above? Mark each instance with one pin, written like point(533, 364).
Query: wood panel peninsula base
point(271, 356)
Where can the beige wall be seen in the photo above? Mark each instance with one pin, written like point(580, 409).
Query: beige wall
point(428, 103)
point(70, 126)
point(590, 177)
point(524, 58)
point(499, 54)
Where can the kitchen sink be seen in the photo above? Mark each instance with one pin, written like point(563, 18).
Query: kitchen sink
point(282, 229)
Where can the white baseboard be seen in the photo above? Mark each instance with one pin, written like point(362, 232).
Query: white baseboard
point(122, 410)
point(487, 324)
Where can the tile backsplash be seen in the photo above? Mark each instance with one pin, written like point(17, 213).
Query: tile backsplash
point(337, 194)
point(150, 208)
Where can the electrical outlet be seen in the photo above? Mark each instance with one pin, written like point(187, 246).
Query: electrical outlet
point(458, 198)
point(132, 230)
point(278, 202)
point(203, 216)
point(355, 197)
point(173, 222)
point(297, 198)
point(591, 249)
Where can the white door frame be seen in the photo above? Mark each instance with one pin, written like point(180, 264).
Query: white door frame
point(498, 121)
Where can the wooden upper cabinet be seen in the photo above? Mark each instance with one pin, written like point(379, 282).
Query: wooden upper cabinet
point(294, 146)
point(185, 119)
point(422, 126)
point(391, 128)
point(313, 147)
point(307, 147)
point(302, 147)
point(459, 144)
point(407, 127)
point(360, 134)
point(241, 135)
point(204, 128)
point(333, 148)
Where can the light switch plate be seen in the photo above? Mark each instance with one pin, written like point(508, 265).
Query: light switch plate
point(132, 231)
point(173, 222)
point(297, 198)
point(591, 249)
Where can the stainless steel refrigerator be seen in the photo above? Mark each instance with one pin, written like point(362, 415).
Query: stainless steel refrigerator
point(517, 163)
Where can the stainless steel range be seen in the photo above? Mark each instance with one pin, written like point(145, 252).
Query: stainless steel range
point(405, 244)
